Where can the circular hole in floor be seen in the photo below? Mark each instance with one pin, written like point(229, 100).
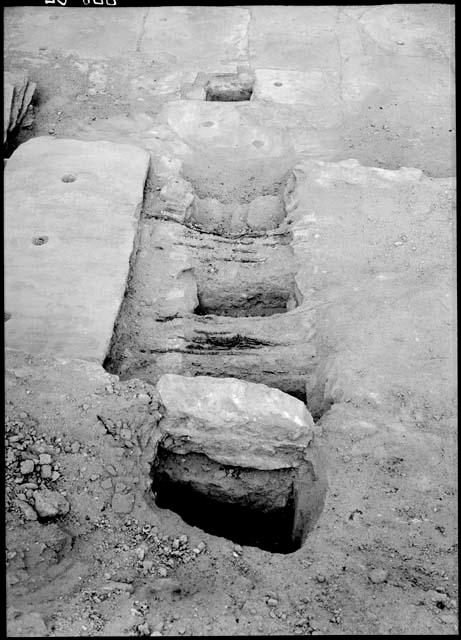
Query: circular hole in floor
point(208, 123)
point(278, 84)
point(69, 177)
point(39, 240)
point(258, 143)
point(7, 315)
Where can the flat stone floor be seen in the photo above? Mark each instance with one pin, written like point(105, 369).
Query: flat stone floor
point(375, 83)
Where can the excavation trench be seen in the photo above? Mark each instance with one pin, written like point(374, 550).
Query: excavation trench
point(212, 288)
point(212, 291)
point(248, 506)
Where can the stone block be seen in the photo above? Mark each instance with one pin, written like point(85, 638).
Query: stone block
point(71, 219)
point(235, 422)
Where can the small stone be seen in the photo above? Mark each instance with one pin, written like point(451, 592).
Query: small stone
point(107, 576)
point(377, 576)
point(111, 470)
point(175, 544)
point(238, 548)
point(45, 458)
point(26, 467)
point(140, 553)
point(55, 475)
point(201, 546)
point(183, 539)
point(147, 565)
point(162, 572)
point(28, 511)
point(320, 578)
point(109, 388)
point(182, 630)
point(125, 434)
point(272, 602)
point(107, 483)
point(75, 447)
point(122, 503)
point(85, 407)
point(51, 131)
point(156, 633)
point(29, 485)
point(50, 504)
point(144, 629)
point(46, 471)
point(119, 586)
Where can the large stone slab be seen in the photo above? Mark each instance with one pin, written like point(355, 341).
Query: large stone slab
point(400, 111)
point(294, 37)
point(71, 219)
point(418, 29)
point(312, 89)
point(90, 33)
point(213, 39)
point(234, 422)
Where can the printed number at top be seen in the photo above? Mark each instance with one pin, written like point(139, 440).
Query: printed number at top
point(109, 3)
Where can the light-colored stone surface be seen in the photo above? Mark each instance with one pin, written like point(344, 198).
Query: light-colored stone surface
point(214, 39)
point(64, 295)
point(85, 32)
point(298, 38)
point(312, 89)
point(387, 237)
point(235, 422)
point(418, 29)
point(214, 126)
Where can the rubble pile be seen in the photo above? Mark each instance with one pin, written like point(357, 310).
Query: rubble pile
point(31, 470)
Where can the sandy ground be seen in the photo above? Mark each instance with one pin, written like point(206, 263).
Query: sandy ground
point(383, 558)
